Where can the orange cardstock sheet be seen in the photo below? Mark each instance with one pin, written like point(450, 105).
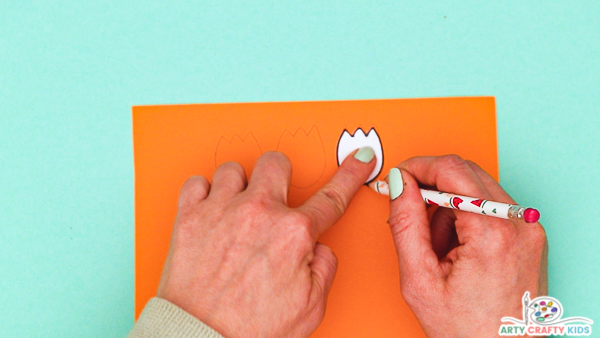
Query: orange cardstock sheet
point(173, 142)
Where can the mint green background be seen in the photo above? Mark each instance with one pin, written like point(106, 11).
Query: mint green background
point(71, 70)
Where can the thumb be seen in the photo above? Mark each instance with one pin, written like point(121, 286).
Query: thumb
point(410, 228)
point(323, 266)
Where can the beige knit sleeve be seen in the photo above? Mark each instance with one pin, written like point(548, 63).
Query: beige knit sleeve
point(164, 319)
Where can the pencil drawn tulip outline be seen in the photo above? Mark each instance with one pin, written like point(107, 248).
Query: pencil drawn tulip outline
point(350, 142)
point(306, 152)
point(245, 151)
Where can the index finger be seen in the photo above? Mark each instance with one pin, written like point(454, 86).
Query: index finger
point(448, 173)
point(329, 204)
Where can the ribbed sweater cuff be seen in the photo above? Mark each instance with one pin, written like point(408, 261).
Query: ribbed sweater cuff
point(162, 318)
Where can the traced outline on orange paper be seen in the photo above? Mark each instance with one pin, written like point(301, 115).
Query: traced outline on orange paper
point(229, 141)
point(316, 129)
point(345, 131)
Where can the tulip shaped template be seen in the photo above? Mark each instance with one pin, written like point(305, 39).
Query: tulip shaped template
point(349, 142)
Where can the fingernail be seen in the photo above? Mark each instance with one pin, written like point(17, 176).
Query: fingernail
point(365, 154)
point(396, 183)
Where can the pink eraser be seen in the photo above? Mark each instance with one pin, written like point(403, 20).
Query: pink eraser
point(531, 215)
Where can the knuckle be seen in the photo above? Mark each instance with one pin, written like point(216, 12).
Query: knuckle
point(327, 257)
point(538, 235)
point(260, 195)
point(187, 222)
point(351, 175)
point(193, 184)
point(338, 201)
point(507, 233)
point(195, 181)
point(298, 237)
point(295, 235)
point(409, 160)
point(399, 222)
point(252, 208)
point(473, 165)
point(332, 258)
point(275, 157)
point(250, 218)
point(298, 219)
point(505, 237)
point(452, 161)
point(231, 167)
point(273, 163)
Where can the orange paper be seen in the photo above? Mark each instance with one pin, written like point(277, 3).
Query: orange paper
point(174, 142)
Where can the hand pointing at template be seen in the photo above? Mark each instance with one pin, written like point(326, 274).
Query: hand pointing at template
point(461, 272)
point(245, 263)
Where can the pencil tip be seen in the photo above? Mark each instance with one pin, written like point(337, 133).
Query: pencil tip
point(380, 187)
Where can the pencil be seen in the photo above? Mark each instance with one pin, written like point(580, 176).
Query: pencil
point(470, 204)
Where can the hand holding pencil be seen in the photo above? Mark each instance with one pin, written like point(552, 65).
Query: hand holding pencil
point(460, 273)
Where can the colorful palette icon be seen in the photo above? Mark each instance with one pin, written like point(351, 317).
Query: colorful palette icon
point(546, 310)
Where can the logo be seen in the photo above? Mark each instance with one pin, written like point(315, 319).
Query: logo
point(543, 316)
